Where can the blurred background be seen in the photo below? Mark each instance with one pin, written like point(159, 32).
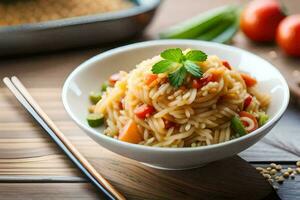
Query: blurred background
point(39, 26)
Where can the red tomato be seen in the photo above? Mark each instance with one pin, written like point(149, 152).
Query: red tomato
point(226, 64)
point(199, 83)
point(144, 111)
point(247, 101)
point(114, 78)
point(288, 35)
point(195, 84)
point(246, 124)
point(260, 19)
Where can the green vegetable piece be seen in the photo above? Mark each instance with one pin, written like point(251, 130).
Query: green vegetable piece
point(196, 55)
point(262, 118)
point(174, 55)
point(95, 97)
point(104, 87)
point(227, 34)
point(95, 120)
point(176, 78)
point(198, 25)
point(216, 31)
point(237, 126)
point(193, 69)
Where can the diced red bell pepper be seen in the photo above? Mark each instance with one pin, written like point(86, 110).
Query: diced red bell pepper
point(247, 101)
point(199, 83)
point(144, 111)
point(226, 64)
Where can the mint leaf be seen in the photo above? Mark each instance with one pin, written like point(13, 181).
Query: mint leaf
point(196, 55)
point(162, 66)
point(193, 69)
point(175, 55)
point(176, 78)
point(177, 65)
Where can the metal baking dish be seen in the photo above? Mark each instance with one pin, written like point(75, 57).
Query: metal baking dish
point(77, 31)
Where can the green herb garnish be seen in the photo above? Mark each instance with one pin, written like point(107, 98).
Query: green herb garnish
point(178, 65)
point(176, 78)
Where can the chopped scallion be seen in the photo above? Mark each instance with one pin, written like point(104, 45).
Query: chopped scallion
point(95, 120)
point(95, 97)
point(104, 87)
point(262, 118)
point(238, 126)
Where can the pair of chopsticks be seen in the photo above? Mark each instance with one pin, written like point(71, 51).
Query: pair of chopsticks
point(27, 101)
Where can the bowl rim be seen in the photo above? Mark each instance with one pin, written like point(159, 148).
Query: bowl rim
point(174, 42)
point(142, 7)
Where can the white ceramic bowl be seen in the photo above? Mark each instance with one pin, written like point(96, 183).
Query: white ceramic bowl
point(89, 75)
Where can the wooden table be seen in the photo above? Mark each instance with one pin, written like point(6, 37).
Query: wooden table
point(29, 158)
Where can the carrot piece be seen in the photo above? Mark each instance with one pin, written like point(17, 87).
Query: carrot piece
point(149, 78)
point(249, 81)
point(130, 133)
point(143, 111)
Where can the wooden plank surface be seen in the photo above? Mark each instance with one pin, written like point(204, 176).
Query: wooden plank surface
point(27, 154)
point(218, 180)
point(48, 191)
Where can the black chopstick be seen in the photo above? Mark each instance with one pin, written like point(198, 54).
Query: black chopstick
point(30, 109)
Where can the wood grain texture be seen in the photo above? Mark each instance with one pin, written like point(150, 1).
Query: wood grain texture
point(48, 191)
point(28, 155)
point(140, 182)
